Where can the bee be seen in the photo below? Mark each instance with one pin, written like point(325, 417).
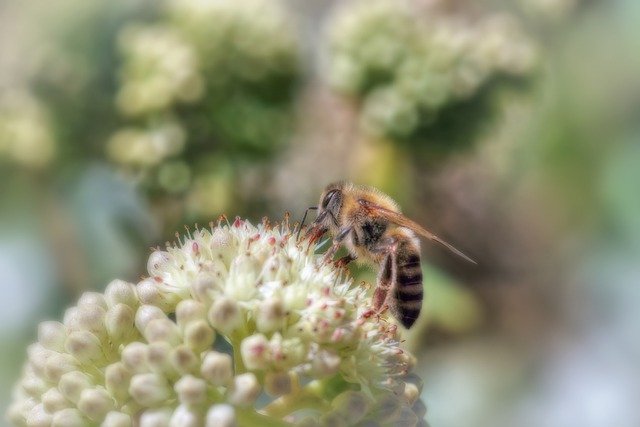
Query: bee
point(373, 229)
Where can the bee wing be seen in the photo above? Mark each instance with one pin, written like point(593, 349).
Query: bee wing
point(403, 221)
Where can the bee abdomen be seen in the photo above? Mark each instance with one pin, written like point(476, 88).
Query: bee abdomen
point(408, 289)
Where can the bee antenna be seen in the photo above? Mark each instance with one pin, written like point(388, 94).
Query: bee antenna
point(304, 217)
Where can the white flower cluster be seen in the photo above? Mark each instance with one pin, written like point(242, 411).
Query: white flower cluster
point(407, 65)
point(236, 325)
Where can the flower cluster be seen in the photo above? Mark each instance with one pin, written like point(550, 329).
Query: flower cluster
point(25, 135)
point(235, 325)
point(206, 76)
point(407, 66)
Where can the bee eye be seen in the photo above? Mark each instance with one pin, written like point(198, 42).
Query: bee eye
point(328, 197)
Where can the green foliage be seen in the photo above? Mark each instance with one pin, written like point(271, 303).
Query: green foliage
point(418, 75)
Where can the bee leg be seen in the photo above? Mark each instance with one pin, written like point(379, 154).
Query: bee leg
point(386, 275)
point(337, 241)
point(342, 262)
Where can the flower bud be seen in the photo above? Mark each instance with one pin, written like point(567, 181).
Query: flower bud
point(92, 298)
point(191, 390)
point(221, 416)
point(406, 418)
point(217, 368)
point(88, 317)
point(245, 389)
point(151, 293)
point(184, 360)
point(34, 386)
point(52, 335)
point(183, 416)
point(156, 418)
point(147, 313)
point(116, 379)
point(84, 346)
point(38, 417)
point(278, 383)
point(255, 351)
point(54, 401)
point(121, 292)
point(411, 393)
point(95, 403)
point(387, 408)
point(419, 408)
point(117, 419)
point(199, 336)
point(159, 357)
point(157, 261)
point(134, 357)
point(149, 389)
point(69, 417)
point(119, 322)
point(162, 330)
point(270, 315)
point(59, 364)
point(204, 287)
point(224, 315)
point(188, 311)
point(72, 383)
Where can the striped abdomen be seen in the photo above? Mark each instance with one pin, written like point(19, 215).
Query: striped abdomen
point(406, 300)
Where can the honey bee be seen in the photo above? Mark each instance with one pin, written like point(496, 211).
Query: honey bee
point(372, 228)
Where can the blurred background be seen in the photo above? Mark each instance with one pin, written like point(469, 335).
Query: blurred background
point(510, 128)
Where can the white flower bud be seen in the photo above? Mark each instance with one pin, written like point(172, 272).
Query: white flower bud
point(147, 313)
point(54, 401)
point(224, 315)
point(69, 417)
point(245, 390)
point(38, 356)
point(72, 383)
point(121, 292)
point(204, 287)
point(150, 292)
point(95, 403)
point(162, 330)
point(199, 336)
point(189, 311)
point(157, 261)
point(52, 335)
point(255, 351)
point(33, 385)
point(93, 298)
point(191, 390)
point(88, 317)
point(18, 410)
point(156, 418)
point(117, 419)
point(183, 416)
point(116, 379)
point(159, 357)
point(84, 346)
point(119, 322)
point(59, 364)
point(270, 315)
point(217, 368)
point(38, 417)
point(221, 416)
point(278, 383)
point(149, 389)
point(184, 360)
point(134, 357)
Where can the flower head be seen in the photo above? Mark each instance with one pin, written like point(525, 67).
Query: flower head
point(235, 325)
